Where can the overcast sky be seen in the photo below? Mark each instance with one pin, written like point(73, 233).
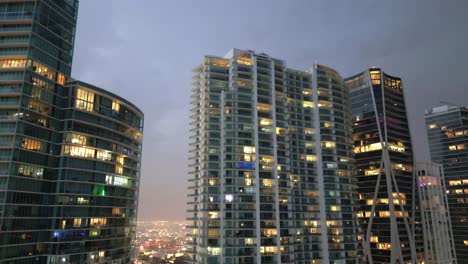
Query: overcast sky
point(144, 51)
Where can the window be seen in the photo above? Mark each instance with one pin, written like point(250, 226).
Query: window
point(77, 139)
point(328, 144)
point(384, 246)
point(61, 79)
point(94, 232)
point(42, 69)
point(268, 250)
point(368, 148)
point(104, 155)
point(115, 106)
point(249, 150)
point(244, 61)
point(84, 99)
point(374, 239)
point(33, 171)
point(268, 182)
point(77, 222)
point(83, 152)
point(32, 144)
point(119, 169)
point(432, 126)
point(213, 232)
point(308, 104)
point(335, 208)
point(97, 222)
point(11, 64)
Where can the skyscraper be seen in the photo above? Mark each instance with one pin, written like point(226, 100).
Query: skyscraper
point(70, 152)
point(270, 163)
point(447, 130)
point(435, 220)
point(384, 165)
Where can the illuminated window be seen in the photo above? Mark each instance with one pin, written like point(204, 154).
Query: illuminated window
point(244, 61)
point(61, 79)
point(328, 144)
point(269, 250)
point(213, 232)
point(84, 99)
point(120, 181)
point(9, 64)
point(332, 223)
point(269, 232)
point(311, 158)
point(335, 208)
point(119, 169)
point(84, 152)
point(31, 144)
point(248, 182)
point(94, 232)
point(213, 215)
point(229, 198)
point(77, 222)
point(268, 182)
point(452, 183)
point(280, 131)
point(465, 242)
point(77, 139)
point(368, 148)
point(264, 107)
point(432, 126)
point(97, 221)
point(308, 104)
point(104, 155)
point(249, 241)
point(453, 147)
point(371, 172)
point(82, 200)
point(214, 251)
point(265, 121)
point(266, 159)
point(375, 77)
point(115, 106)
point(324, 104)
point(384, 246)
point(384, 214)
point(39, 107)
point(43, 70)
point(327, 124)
point(396, 147)
point(212, 182)
point(116, 211)
point(120, 159)
point(308, 131)
point(249, 150)
point(33, 171)
point(374, 239)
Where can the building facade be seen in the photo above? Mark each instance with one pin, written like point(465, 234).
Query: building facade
point(270, 163)
point(69, 152)
point(384, 166)
point(435, 217)
point(447, 131)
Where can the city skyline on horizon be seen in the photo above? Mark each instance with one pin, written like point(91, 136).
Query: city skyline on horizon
point(166, 135)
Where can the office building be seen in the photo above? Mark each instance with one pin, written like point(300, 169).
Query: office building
point(435, 216)
point(69, 152)
point(271, 166)
point(384, 166)
point(447, 130)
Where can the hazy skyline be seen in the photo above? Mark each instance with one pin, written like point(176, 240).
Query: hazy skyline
point(145, 50)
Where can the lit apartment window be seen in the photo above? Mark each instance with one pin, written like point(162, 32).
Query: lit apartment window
point(61, 79)
point(115, 106)
point(268, 182)
point(43, 70)
point(335, 208)
point(84, 99)
point(384, 246)
point(465, 242)
point(214, 251)
point(367, 148)
point(244, 61)
point(31, 144)
point(82, 200)
point(311, 158)
point(265, 122)
point(266, 159)
point(328, 144)
point(77, 222)
point(33, 171)
point(268, 250)
point(94, 232)
point(116, 211)
point(10, 64)
point(308, 104)
point(77, 139)
point(97, 222)
point(212, 182)
point(213, 215)
point(453, 183)
point(324, 104)
point(78, 151)
point(263, 107)
point(249, 150)
point(371, 172)
point(104, 155)
point(213, 232)
point(120, 159)
point(374, 239)
point(119, 169)
point(249, 241)
point(432, 126)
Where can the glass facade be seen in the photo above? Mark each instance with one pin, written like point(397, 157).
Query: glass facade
point(70, 152)
point(447, 130)
point(259, 192)
point(384, 167)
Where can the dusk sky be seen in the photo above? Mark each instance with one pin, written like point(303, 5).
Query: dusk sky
point(145, 50)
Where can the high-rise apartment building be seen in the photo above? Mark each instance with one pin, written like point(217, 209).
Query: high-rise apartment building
point(384, 165)
point(69, 152)
point(447, 130)
point(271, 166)
point(435, 216)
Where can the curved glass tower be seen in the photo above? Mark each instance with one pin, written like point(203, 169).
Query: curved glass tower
point(271, 167)
point(69, 152)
